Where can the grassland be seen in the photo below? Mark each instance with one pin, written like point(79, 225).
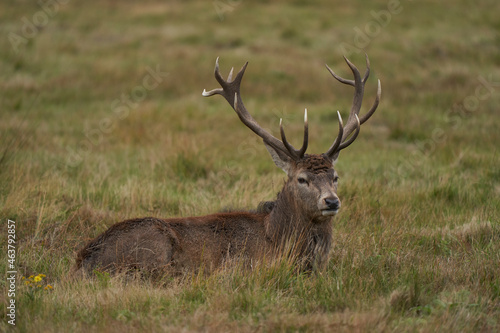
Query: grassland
point(84, 144)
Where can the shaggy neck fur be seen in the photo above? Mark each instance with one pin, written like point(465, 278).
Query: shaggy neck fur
point(297, 235)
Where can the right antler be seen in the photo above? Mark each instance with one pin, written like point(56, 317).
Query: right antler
point(231, 92)
point(353, 122)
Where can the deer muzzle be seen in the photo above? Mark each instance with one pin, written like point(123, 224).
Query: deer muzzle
point(330, 206)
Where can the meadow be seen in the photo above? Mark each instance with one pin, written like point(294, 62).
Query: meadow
point(102, 119)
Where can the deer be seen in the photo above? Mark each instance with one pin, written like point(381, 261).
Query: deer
point(300, 218)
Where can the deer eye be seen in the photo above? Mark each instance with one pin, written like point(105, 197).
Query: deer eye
point(302, 180)
point(335, 179)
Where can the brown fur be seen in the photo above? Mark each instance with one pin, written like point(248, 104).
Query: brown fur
point(315, 163)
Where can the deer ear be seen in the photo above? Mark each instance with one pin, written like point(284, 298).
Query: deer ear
point(281, 160)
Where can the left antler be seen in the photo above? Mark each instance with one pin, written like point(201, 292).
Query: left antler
point(230, 90)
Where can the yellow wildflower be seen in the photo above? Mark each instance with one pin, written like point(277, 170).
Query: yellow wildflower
point(38, 278)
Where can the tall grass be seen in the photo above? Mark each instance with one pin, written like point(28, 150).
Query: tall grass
point(416, 245)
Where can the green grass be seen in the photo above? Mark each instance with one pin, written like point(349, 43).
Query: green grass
point(417, 242)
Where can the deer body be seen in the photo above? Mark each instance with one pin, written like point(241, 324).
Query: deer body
point(299, 223)
point(175, 245)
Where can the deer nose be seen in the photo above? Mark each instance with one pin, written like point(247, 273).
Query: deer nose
point(332, 204)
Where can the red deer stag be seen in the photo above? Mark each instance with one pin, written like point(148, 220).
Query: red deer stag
point(301, 214)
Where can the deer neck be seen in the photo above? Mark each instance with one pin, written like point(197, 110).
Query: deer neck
point(288, 223)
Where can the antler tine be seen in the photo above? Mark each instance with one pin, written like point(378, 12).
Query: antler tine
point(367, 72)
point(374, 106)
point(305, 142)
point(297, 154)
point(230, 75)
point(339, 78)
point(288, 146)
point(346, 143)
point(219, 79)
point(334, 147)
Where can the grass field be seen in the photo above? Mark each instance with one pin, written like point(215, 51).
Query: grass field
point(102, 119)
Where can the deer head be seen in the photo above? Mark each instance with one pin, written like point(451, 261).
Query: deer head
point(311, 188)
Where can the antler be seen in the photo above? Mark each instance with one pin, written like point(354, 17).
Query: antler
point(230, 90)
point(353, 122)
